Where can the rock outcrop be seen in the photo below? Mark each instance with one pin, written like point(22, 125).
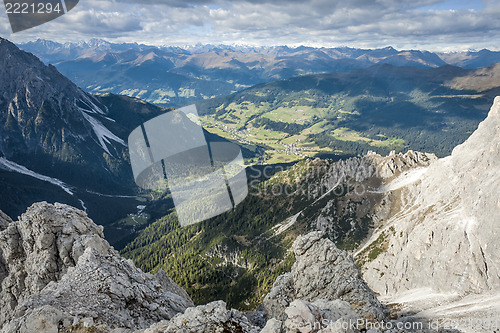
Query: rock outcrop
point(439, 243)
point(324, 293)
point(57, 271)
point(342, 198)
point(448, 222)
point(322, 272)
point(212, 317)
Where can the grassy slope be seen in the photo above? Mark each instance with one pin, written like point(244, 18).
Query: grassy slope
point(382, 108)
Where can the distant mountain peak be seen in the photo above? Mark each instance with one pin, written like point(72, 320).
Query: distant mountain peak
point(96, 42)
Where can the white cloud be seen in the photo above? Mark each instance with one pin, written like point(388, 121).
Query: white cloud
point(358, 23)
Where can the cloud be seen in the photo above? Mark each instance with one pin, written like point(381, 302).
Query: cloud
point(358, 23)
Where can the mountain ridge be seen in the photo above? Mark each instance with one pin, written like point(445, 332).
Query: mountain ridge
point(58, 143)
point(460, 252)
point(380, 108)
point(61, 144)
point(206, 71)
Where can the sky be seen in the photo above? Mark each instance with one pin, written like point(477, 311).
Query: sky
point(434, 25)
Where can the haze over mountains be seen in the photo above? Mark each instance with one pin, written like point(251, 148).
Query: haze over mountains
point(174, 75)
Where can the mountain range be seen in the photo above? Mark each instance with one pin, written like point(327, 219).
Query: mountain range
point(174, 75)
point(62, 144)
point(59, 143)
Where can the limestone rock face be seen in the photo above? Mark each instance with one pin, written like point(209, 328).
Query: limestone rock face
point(447, 223)
point(324, 293)
point(343, 196)
point(55, 260)
point(394, 164)
point(212, 317)
point(273, 325)
point(317, 316)
point(4, 221)
point(322, 272)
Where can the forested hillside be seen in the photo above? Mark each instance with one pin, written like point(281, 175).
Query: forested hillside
point(237, 256)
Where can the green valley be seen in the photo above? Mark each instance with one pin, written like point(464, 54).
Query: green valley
point(238, 255)
point(282, 126)
point(382, 108)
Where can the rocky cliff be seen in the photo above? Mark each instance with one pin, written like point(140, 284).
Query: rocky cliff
point(342, 198)
point(42, 112)
point(441, 238)
point(449, 221)
point(58, 272)
point(322, 272)
point(60, 144)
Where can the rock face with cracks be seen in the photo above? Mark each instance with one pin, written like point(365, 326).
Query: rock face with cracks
point(447, 223)
point(57, 271)
point(212, 317)
point(322, 272)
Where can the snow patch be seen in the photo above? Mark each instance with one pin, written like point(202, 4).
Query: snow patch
point(285, 225)
point(103, 134)
point(83, 205)
point(93, 108)
point(12, 166)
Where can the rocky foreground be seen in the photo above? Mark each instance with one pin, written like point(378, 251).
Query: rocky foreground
point(59, 274)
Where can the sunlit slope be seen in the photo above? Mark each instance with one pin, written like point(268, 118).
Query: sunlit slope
point(381, 108)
